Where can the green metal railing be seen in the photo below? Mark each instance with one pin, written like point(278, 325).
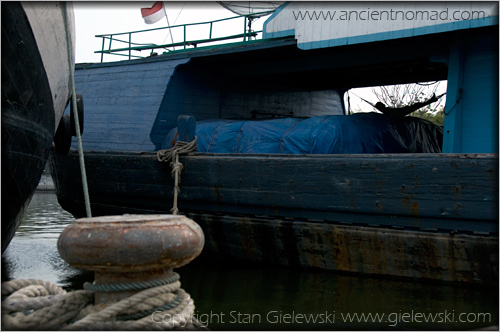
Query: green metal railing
point(129, 46)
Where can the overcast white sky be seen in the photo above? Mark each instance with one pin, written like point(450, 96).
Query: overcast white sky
point(97, 18)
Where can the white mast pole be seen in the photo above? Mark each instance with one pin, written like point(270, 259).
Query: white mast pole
point(168, 23)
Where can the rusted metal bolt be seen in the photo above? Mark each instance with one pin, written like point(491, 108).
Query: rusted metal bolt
point(130, 248)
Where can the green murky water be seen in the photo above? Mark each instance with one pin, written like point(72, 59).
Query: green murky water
point(233, 295)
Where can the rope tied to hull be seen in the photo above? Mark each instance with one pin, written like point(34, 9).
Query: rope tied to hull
point(172, 155)
point(35, 304)
point(83, 172)
point(180, 147)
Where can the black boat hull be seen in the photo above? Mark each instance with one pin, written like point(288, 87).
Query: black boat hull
point(27, 117)
point(35, 91)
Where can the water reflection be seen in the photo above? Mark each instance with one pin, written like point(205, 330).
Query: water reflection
point(32, 253)
point(269, 293)
point(44, 218)
point(231, 295)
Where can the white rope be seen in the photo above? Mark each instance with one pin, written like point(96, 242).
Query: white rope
point(75, 109)
point(179, 148)
point(172, 155)
point(31, 305)
point(36, 304)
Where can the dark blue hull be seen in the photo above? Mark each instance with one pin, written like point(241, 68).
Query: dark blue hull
point(276, 209)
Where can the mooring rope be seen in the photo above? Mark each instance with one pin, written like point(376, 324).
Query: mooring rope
point(139, 285)
point(172, 155)
point(31, 304)
point(69, 45)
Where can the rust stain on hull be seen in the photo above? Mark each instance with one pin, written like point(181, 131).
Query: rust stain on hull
point(367, 250)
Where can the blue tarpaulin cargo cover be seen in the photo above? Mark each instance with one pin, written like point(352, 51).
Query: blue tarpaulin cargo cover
point(332, 134)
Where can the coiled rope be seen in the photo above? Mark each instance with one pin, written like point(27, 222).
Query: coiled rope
point(31, 304)
point(172, 155)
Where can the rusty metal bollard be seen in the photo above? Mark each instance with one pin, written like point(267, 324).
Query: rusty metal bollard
point(130, 248)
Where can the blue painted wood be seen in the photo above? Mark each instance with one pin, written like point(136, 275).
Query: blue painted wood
point(322, 24)
point(480, 104)
point(454, 100)
point(430, 192)
point(194, 91)
point(471, 124)
point(242, 96)
point(121, 102)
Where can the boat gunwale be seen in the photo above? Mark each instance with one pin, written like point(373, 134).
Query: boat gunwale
point(204, 51)
point(306, 156)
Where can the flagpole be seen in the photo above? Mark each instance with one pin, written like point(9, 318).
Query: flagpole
point(168, 23)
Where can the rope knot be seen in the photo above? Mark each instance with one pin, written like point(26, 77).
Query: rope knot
point(180, 147)
point(177, 167)
point(172, 155)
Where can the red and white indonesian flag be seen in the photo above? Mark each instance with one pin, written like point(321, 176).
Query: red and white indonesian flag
point(153, 14)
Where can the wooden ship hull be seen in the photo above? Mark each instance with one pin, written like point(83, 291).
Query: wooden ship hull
point(35, 91)
point(435, 220)
point(425, 216)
